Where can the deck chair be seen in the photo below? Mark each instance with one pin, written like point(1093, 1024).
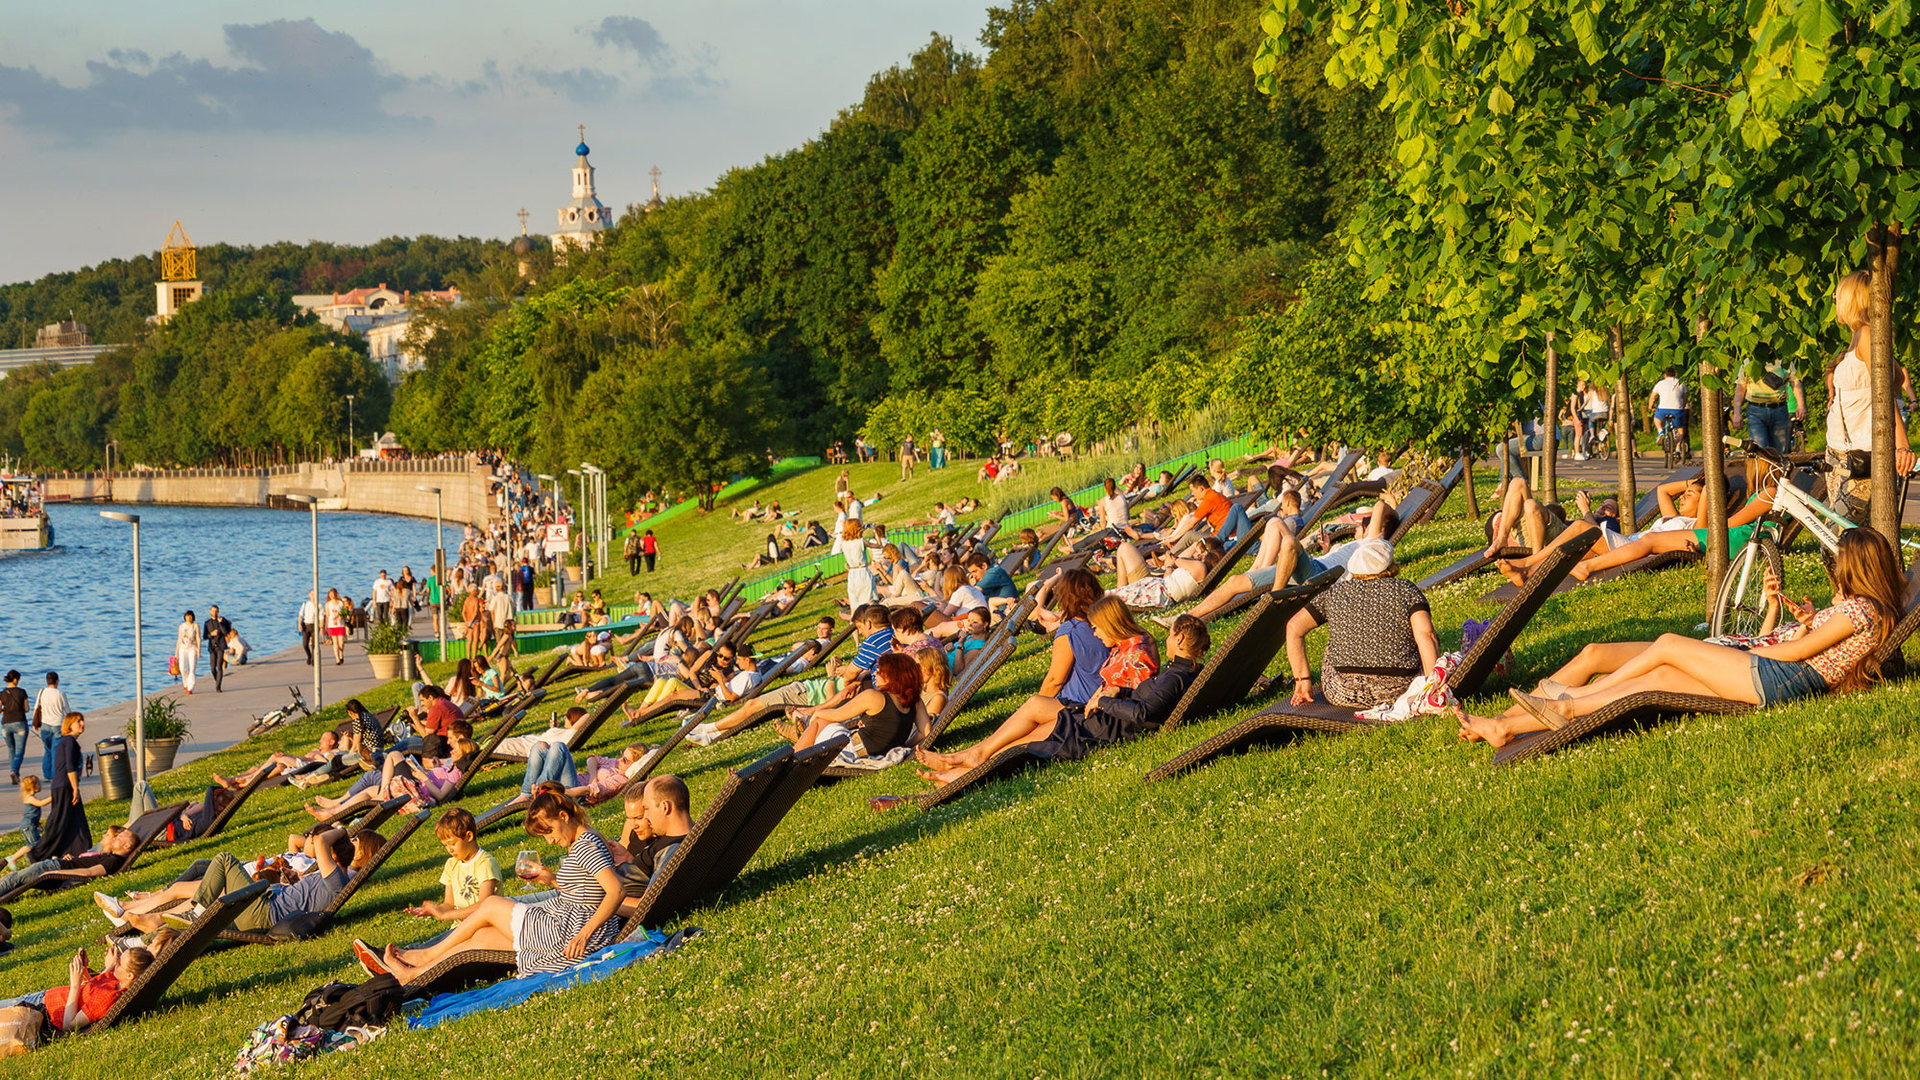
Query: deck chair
point(547, 673)
point(1413, 508)
point(1039, 557)
point(508, 812)
point(311, 924)
point(220, 819)
point(1225, 568)
point(1311, 513)
point(733, 825)
point(1468, 565)
point(1238, 661)
point(1658, 561)
point(732, 589)
point(763, 713)
point(1641, 710)
point(984, 665)
point(145, 829)
point(585, 732)
point(1016, 556)
point(143, 994)
point(499, 734)
point(1285, 721)
point(372, 815)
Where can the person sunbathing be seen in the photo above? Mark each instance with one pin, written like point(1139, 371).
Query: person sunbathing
point(86, 995)
point(1125, 714)
point(1827, 650)
point(426, 778)
point(834, 689)
point(888, 715)
point(1680, 504)
point(330, 858)
point(1281, 558)
point(936, 680)
point(325, 752)
point(1177, 580)
point(548, 936)
point(1129, 660)
point(970, 638)
point(106, 857)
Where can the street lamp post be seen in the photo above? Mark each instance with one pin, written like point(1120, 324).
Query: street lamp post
point(580, 518)
point(439, 568)
point(349, 427)
point(319, 602)
point(560, 576)
point(141, 793)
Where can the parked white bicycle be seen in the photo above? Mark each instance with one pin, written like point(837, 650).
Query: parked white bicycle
point(1741, 607)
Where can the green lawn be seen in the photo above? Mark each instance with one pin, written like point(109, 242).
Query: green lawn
point(1713, 897)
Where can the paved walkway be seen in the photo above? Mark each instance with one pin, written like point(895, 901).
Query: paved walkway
point(216, 720)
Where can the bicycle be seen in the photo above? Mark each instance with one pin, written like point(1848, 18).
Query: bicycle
point(282, 715)
point(1674, 443)
point(1741, 608)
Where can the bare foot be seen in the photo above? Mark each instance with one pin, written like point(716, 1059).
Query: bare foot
point(1580, 571)
point(1510, 572)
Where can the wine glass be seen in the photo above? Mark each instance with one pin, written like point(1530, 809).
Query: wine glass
point(526, 866)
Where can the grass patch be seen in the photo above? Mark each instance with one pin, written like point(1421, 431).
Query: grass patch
point(1715, 896)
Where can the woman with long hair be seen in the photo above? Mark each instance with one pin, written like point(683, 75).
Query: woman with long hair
point(1826, 650)
point(186, 649)
point(65, 832)
point(880, 719)
point(851, 546)
point(337, 611)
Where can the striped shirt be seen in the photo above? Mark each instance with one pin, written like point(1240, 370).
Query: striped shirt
point(575, 877)
point(872, 648)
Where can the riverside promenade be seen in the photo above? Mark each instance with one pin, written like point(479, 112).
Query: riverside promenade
point(216, 721)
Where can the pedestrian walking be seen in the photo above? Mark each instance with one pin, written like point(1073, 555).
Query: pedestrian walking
point(48, 710)
point(382, 598)
point(649, 549)
point(632, 551)
point(214, 633)
point(186, 650)
point(402, 599)
point(523, 576)
point(907, 452)
point(13, 725)
point(335, 612)
point(306, 619)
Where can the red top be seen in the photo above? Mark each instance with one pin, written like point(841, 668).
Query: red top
point(648, 545)
point(441, 712)
point(96, 997)
point(1213, 506)
point(1128, 665)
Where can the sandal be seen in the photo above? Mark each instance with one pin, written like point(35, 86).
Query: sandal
point(1538, 709)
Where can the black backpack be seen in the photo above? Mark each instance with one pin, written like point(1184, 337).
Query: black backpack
point(338, 1006)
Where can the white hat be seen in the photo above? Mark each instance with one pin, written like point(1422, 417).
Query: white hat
point(1370, 557)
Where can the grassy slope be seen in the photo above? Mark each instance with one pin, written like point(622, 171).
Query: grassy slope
point(1713, 896)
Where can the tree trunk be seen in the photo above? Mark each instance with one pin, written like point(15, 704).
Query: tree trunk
point(1713, 456)
point(1473, 497)
point(1886, 385)
point(1550, 438)
point(1623, 429)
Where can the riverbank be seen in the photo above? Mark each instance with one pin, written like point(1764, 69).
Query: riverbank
point(373, 487)
point(216, 720)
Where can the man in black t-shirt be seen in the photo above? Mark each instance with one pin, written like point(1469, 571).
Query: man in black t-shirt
point(13, 724)
point(214, 633)
point(657, 821)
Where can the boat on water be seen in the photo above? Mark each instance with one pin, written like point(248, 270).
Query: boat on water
point(23, 515)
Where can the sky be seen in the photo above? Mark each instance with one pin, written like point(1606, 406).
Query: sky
point(253, 121)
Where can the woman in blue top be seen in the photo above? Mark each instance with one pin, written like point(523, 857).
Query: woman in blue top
point(1073, 673)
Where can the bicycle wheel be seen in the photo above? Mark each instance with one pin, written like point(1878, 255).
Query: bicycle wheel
point(1739, 608)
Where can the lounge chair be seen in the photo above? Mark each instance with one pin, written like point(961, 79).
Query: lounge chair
point(1039, 557)
point(145, 991)
point(547, 673)
point(1225, 568)
point(145, 829)
point(370, 815)
point(1640, 710)
point(1244, 655)
point(1284, 721)
point(730, 829)
point(585, 732)
point(1329, 490)
point(509, 811)
point(219, 821)
point(311, 924)
point(1468, 565)
point(481, 758)
point(1015, 557)
point(1657, 561)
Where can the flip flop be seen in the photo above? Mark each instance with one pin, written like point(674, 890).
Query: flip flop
point(1538, 709)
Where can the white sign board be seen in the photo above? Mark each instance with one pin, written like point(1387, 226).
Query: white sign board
point(557, 539)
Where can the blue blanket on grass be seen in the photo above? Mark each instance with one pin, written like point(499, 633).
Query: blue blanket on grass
point(509, 992)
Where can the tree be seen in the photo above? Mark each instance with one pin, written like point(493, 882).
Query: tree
point(310, 404)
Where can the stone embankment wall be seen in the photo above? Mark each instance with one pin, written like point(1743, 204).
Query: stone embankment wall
point(375, 487)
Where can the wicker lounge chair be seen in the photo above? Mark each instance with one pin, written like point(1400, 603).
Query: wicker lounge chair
point(585, 732)
point(1311, 513)
point(313, 923)
point(1227, 565)
point(733, 825)
point(220, 819)
point(1239, 660)
point(143, 994)
point(509, 811)
point(145, 828)
point(1284, 721)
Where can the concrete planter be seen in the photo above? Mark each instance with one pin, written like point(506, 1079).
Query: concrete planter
point(385, 665)
point(573, 574)
point(160, 753)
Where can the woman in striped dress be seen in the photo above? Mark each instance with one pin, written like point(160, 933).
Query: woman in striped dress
point(553, 934)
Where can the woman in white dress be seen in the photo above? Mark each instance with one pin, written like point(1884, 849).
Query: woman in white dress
point(853, 547)
point(186, 649)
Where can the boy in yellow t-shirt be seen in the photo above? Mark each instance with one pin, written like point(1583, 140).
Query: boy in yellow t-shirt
point(470, 876)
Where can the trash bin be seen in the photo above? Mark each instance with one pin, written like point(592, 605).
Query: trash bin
point(409, 663)
point(116, 768)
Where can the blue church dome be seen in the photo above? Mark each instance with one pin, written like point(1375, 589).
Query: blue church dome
point(581, 149)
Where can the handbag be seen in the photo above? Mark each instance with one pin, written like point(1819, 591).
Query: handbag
point(20, 1028)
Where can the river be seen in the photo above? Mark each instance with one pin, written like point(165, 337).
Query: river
point(70, 609)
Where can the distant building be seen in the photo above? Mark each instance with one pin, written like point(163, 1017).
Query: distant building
point(179, 283)
point(585, 217)
point(382, 315)
point(64, 334)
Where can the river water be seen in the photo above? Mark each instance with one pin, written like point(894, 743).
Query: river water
point(70, 609)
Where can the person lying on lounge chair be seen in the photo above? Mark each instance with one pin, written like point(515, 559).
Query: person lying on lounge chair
point(1129, 661)
point(553, 934)
point(426, 777)
point(1281, 560)
point(107, 857)
point(1379, 633)
point(319, 759)
point(835, 688)
point(1680, 505)
point(1177, 580)
point(888, 715)
point(334, 857)
point(1227, 520)
point(87, 995)
point(1828, 650)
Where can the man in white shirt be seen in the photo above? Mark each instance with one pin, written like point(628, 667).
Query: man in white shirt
point(307, 612)
point(1669, 402)
point(382, 598)
point(499, 607)
point(50, 709)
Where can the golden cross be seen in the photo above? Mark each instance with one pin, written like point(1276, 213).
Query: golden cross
point(583, 133)
point(522, 215)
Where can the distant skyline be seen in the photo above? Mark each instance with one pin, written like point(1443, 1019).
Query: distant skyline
point(259, 122)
